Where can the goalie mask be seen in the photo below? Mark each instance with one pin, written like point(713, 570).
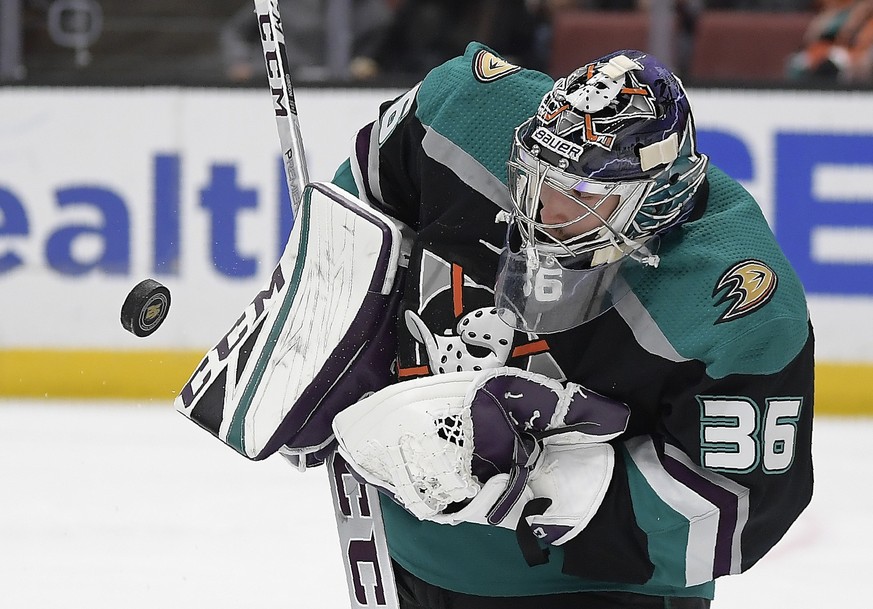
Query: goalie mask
point(608, 163)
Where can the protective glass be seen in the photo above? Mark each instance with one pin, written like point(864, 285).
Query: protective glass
point(539, 292)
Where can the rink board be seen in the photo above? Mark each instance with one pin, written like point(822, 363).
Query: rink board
point(186, 186)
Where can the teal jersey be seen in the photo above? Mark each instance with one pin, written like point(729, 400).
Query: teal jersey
point(712, 351)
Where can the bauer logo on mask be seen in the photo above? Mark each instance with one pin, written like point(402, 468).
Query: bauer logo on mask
point(606, 166)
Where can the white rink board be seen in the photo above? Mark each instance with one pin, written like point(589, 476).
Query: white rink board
point(59, 139)
point(70, 158)
point(758, 119)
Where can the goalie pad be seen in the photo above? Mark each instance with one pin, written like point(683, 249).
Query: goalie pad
point(491, 441)
point(314, 340)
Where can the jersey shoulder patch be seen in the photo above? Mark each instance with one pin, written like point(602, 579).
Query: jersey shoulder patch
point(724, 293)
point(488, 67)
point(746, 286)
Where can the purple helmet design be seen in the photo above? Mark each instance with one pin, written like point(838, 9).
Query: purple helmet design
point(622, 120)
point(620, 125)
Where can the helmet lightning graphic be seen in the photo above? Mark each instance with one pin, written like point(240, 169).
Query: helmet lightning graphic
point(750, 284)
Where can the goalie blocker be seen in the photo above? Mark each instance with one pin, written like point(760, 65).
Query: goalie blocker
point(318, 337)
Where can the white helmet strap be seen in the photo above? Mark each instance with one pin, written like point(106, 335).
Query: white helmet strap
point(618, 66)
point(660, 153)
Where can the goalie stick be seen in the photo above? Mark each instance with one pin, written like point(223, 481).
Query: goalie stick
point(367, 565)
point(284, 104)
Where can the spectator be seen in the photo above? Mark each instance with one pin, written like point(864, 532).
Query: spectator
point(771, 6)
point(306, 38)
point(838, 46)
point(685, 12)
point(425, 33)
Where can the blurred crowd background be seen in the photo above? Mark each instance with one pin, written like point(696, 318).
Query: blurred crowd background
point(394, 42)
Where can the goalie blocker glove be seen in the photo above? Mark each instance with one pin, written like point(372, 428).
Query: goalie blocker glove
point(503, 447)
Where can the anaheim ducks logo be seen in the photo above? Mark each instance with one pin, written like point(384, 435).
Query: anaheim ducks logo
point(596, 99)
point(488, 67)
point(750, 284)
point(455, 327)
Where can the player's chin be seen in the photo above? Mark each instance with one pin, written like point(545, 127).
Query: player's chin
point(561, 234)
point(556, 233)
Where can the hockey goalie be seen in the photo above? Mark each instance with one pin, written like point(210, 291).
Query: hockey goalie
point(581, 377)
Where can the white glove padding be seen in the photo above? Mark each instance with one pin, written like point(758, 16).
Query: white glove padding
point(477, 511)
point(575, 478)
point(450, 438)
point(416, 440)
point(400, 440)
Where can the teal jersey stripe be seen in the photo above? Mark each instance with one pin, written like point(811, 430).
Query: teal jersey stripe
point(344, 178)
point(667, 530)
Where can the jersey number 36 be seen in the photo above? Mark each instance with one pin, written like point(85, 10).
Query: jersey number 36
point(736, 437)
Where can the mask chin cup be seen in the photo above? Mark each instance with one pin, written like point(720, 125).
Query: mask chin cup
point(536, 293)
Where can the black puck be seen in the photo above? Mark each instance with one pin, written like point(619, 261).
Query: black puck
point(145, 308)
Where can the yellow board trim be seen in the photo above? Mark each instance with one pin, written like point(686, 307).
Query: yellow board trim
point(96, 374)
point(841, 389)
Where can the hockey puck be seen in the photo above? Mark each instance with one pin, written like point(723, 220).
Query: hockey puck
point(145, 308)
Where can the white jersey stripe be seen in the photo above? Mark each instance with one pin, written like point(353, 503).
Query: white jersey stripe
point(357, 174)
point(373, 165)
point(742, 495)
point(645, 330)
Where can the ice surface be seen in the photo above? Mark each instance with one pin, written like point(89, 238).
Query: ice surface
point(129, 505)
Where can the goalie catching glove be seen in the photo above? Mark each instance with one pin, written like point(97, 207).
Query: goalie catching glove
point(483, 446)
